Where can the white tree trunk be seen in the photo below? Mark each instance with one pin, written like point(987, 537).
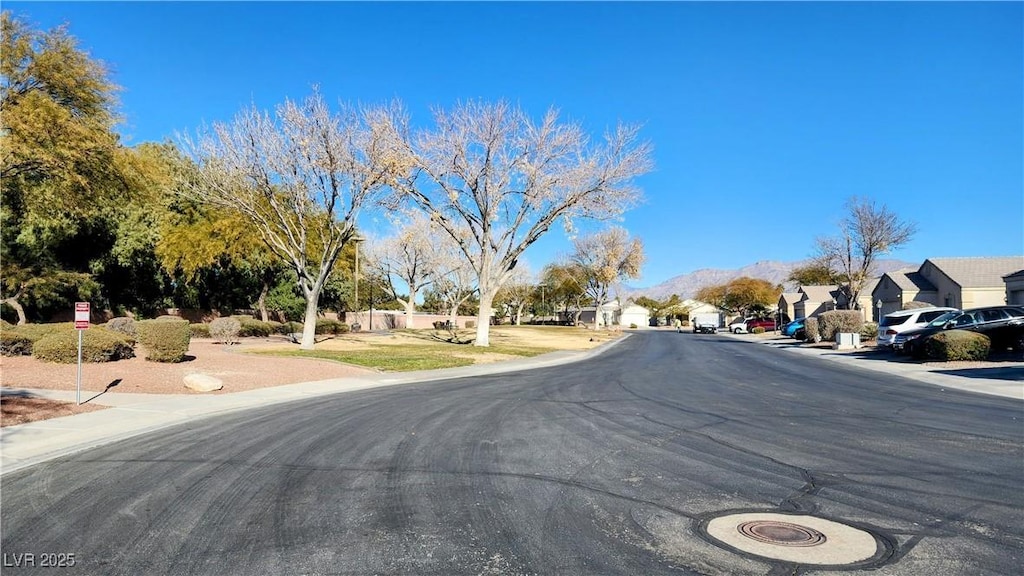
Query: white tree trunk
point(410, 309)
point(13, 303)
point(483, 320)
point(309, 324)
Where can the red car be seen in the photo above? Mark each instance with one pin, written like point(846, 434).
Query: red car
point(767, 323)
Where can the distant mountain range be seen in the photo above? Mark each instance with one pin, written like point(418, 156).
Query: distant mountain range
point(687, 285)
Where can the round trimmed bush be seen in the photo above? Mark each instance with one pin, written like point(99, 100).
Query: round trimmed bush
point(164, 340)
point(327, 326)
point(251, 327)
point(199, 330)
point(225, 330)
point(757, 330)
point(869, 331)
point(98, 345)
point(957, 345)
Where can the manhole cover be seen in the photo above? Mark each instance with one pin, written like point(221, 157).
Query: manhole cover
point(793, 538)
point(781, 533)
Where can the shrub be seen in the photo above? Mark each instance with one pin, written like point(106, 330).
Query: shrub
point(835, 321)
point(957, 345)
point(632, 326)
point(250, 327)
point(169, 317)
point(869, 331)
point(811, 332)
point(757, 330)
point(293, 327)
point(275, 327)
point(14, 344)
point(164, 340)
point(123, 325)
point(326, 326)
point(915, 304)
point(98, 345)
point(36, 331)
point(225, 330)
point(199, 330)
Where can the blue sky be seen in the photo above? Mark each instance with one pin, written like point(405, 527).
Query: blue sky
point(765, 117)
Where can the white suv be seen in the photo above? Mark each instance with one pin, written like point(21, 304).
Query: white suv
point(903, 320)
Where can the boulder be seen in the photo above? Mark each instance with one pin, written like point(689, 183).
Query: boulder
point(203, 383)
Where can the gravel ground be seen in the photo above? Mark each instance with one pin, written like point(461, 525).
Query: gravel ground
point(238, 371)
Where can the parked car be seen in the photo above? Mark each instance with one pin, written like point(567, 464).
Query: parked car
point(794, 329)
point(739, 325)
point(767, 323)
point(1004, 325)
point(904, 320)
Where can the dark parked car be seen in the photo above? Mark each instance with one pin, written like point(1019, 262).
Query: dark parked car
point(1004, 325)
point(767, 323)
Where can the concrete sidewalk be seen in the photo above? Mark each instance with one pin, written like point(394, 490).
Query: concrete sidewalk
point(134, 414)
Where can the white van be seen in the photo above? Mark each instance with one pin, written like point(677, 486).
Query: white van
point(903, 320)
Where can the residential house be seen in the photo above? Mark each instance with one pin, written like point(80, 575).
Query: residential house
point(635, 314)
point(816, 299)
point(787, 304)
point(614, 314)
point(953, 282)
point(1015, 287)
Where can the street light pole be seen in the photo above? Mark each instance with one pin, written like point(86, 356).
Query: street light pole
point(357, 239)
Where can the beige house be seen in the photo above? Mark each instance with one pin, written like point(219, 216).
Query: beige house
point(1015, 287)
point(787, 304)
point(816, 299)
point(953, 282)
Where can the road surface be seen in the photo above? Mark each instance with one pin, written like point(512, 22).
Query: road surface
point(614, 465)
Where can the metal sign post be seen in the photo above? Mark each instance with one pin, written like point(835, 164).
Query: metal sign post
point(81, 324)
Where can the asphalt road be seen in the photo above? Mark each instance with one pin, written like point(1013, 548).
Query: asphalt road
point(609, 466)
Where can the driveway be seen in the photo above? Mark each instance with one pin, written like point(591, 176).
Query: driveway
point(626, 463)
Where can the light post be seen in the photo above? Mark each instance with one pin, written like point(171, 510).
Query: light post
point(878, 310)
point(357, 239)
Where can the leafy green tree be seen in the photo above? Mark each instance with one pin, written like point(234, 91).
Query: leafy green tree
point(660, 308)
point(813, 274)
point(63, 172)
point(742, 295)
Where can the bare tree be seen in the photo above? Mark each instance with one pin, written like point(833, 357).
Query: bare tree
point(299, 177)
point(867, 233)
point(607, 257)
point(412, 257)
point(496, 181)
point(517, 293)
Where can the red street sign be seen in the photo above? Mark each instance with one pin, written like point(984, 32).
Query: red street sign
point(81, 315)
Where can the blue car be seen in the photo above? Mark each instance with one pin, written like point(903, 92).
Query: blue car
point(794, 329)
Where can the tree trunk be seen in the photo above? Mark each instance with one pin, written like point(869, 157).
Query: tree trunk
point(13, 303)
point(410, 309)
point(519, 314)
point(483, 320)
point(261, 302)
point(309, 325)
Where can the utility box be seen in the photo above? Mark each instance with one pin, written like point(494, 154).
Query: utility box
point(847, 341)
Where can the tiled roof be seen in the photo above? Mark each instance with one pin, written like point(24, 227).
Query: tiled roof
point(817, 293)
point(791, 297)
point(1017, 274)
point(978, 272)
point(910, 279)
